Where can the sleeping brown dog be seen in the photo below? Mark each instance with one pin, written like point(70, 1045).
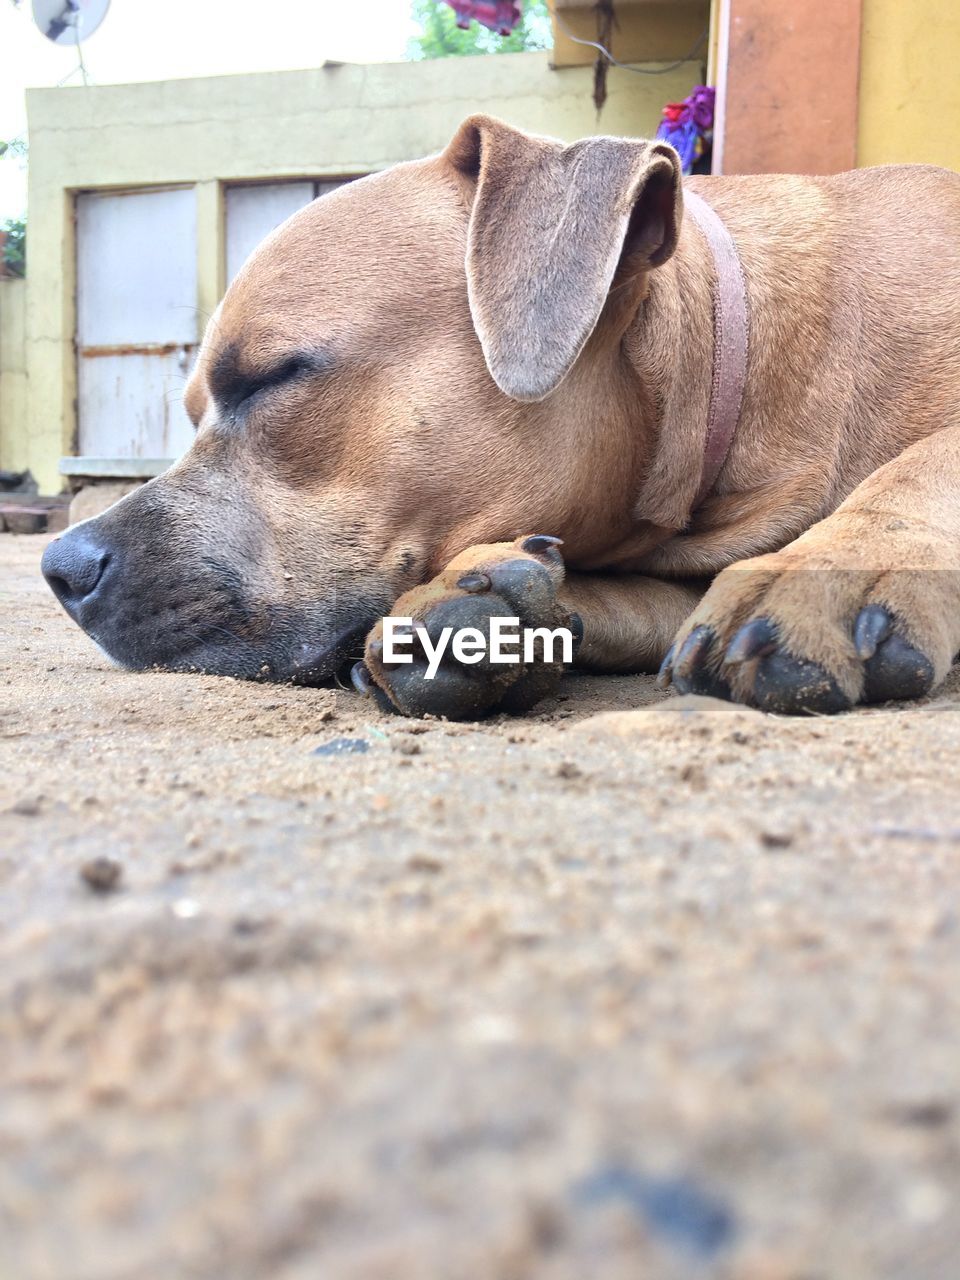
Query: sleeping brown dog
point(516, 337)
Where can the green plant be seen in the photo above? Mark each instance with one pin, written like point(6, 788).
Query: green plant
point(440, 37)
point(12, 254)
point(15, 245)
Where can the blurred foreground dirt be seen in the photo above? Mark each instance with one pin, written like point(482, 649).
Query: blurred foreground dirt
point(601, 994)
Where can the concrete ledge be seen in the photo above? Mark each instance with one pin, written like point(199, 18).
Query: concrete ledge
point(114, 468)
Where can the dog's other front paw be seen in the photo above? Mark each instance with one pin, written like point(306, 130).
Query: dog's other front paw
point(794, 635)
point(422, 668)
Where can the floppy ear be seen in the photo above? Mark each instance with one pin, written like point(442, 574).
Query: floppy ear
point(548, 226)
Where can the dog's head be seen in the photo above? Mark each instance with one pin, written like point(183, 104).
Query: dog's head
point(380, 388)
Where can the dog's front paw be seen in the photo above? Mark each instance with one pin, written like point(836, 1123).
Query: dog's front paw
point(791, 635)
point(459, 655)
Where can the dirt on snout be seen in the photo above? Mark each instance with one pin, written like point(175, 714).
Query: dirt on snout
point(635, 988)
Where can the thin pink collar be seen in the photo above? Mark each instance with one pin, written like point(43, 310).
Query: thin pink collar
point(730, 332)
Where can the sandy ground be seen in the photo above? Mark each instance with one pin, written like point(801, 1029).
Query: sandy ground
point(665, 994)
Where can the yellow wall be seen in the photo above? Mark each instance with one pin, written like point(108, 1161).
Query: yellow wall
point(13, 376)
point(910, 82)
point(335, 120)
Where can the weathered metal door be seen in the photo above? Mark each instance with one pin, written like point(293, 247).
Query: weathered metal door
point(137, 322)
point(254, 211)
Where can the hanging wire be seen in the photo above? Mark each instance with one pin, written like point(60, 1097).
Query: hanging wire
point(625, 66)
point(81, 65)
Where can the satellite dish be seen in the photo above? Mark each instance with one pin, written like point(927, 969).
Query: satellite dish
point(67, 22)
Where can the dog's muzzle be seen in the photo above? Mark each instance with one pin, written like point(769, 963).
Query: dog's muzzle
point(144, 610)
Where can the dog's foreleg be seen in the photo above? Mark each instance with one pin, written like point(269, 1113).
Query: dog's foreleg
point(864, 607)
point(629, 621)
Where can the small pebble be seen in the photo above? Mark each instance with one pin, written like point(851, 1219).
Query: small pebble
point(680, 1210)
point(923, 1113)
point(342, 747)
point(776, 839)
point(567, 769)
point(102, 875)
point(424, 862)
point(25, 808)
point(247, 926)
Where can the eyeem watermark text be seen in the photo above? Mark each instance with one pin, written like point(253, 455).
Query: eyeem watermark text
point(506, 643)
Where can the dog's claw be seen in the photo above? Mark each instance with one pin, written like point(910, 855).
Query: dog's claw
point(474, 583)
point(756, 639)
point(693, 651)
point(689, 672)
point(665, 674)
point(872, 627)
point(360, 678)
point(539, 542)
point(405, 633)
point(575, 625)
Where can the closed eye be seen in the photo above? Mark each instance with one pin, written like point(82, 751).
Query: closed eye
point(233, 385)
point(280, 374)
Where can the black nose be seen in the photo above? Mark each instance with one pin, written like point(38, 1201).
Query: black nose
point(73, 566)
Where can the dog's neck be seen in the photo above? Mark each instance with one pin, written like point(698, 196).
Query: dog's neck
point(670, 346)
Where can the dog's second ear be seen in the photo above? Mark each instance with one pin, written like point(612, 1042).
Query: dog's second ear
point(549, 225)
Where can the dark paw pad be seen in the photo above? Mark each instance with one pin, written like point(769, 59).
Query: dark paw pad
point(454, 692)
point(793, 686)
point(897, 671)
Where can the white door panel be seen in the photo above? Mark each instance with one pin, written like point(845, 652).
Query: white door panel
point(254, 211)
point(136, 320)
point(132, 404)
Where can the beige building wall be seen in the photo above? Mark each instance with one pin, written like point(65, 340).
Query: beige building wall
point(13, 376)
point(336, 120)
